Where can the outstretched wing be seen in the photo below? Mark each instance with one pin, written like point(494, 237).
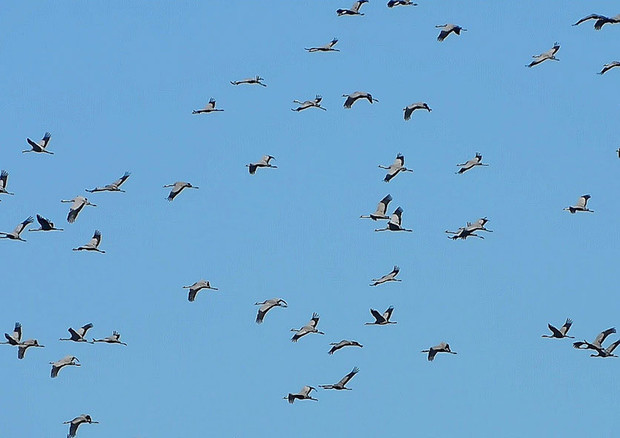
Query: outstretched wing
point(566, 327)
point(348, 377)
point(378, 317)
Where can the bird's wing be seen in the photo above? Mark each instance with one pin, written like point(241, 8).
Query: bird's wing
point(45, 140)
point(442, 36)
point(314, 321)
point(74, 335)
point(348, 377)
point(4, 176)
point(601, 337)
point(388, 313)
point(121, 180)
point(583, 201)
point(45, 223)
point(566, 327)
point(557, 333)
point(613, 346)
point(350, 101)
point(408, 111)
point(589, 17)
point(305, 391)
point(379, 317)
point(96, 240)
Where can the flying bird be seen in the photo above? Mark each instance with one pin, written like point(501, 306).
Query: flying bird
point(562, 332)
point(115, 338)
point(255, 80)
point(355, 9)
point(609, 66)
point(441, 348)
point(343, 382)
point(197, 287)
point(601, 20)
point(304, 394)
point(382, 319)
point(415, 106)
point(177, 188)
point(114, 187)
point(353, 97)
point(41, 146)
point(387, 277)
point(393, 3)
point(14, 338)
point(264, 162)
point(447, 29)
point(308, 328)
point(470, 229)
point(78, 203)
point(316, 103)
point(394, 224)
point(93, 244)
point(329, 47)
point(597, 345)
point(23, 346)
point(381, 209)
point(581, 205)
point(16, 233)
point(470, 164)
point(344, 343)
point(395, 168)
point(549, 54)
point(60, 364)
point(46, 225)
point(209, 108)
point(79, 335)
point(4, 178)
point(266, 306)
point(76, 422)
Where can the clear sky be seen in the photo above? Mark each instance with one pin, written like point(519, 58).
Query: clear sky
point(115, 84)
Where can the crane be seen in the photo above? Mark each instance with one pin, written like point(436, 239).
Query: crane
point(343, 382)
point(470, 229)
point(308, 328)
point(264, 162)
point(329, 47)
point(355, 9)
point(23, 346)
point(115, 338)
point(381, 319)
point(79, 335)
point(381, 209)
point(395, 168)
point(41, 146)
point(304, 394)
point(597, 345)
point(548, 55)
point(609, 66)
point(441, 348)
point(46, 225)
point(344, 343)
point(197, 287)
point(255, 80)
point(415, 106)
point(394, 224)
point(581, 205)
point(177, 188)
point(447, 29)
point(393, 3)
point(316, 103)
point(601, 20)
point(562, 332)
point(113, 187)
point(93, 244)
point(78, 203)
point(387, 277)
point(76, 422)
point(470, 164)
point(209, 108)
point(60, 364)
point(16, 233)
point(266, 306)
point(353, 97)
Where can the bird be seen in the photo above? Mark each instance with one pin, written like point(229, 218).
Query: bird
point(381, 209)
point(607, 352)
point(65, 361)
point(209, 108)
point(355, 9)
point(393, 3)
point(304, 394)
point(23, 346)
point(395, 168)
point(353, 97)
point(343, 382)
point(255, 80)
point(78, 203)
point(441, 348)
point(382, 319)
point(115, 338)
point(16, 233)
point(549, 54)
point(447, 29)
point(470, 164)
point(316, 103)
point(114, 187)
point(79, 335)
point(387, 277)
point(562, 332)
point(394, 222)
point(597, 345)
point(264, 162)
point(93, 244)
point(329, 47)
point(344, 343)
point(4, 177)
point(196, 287)
point(41, 146)
point(266, 306)
point(76, 422)
point(470, 229)
point(46, 225)
point(415, 106)
point(308, 328)
point(14, 338)
point(609, 66)
point(581, 205)
point(177, 188)
point(601, 20)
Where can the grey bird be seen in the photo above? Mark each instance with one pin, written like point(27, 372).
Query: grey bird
point(255, 80)
point(177, 188)
point(113, 187)
point(381, 209)
point(60, 364)
point(387, 277)
point(197, 287)
point(77, 204)
point(115, 338)
point(329, 47)
point(355, 9)
point(548, 55)
point(78, 335)
point(308, 328)
point(41, 146)
point(609, 66)
point(76, 422)
point(343, 382)
point(23, 346)
point(441, 348)
point(4, 178)
point(394, 224)
point(14, 338)
point(561, 332)
point(266, 306)
point(16, 233)
point(344, 343)
point(353, 97)
point(470, 229)
point(92, 244)
point(395, 168)
point(597, 345)
point(209, 108)
point(316, 103)
point(46, 225)
point(581, 205)
point(470, 164)
point(264, 162)
point(601, 20)
point(415, 106)
point(381, 319)
point(607, 352)
point(304, 394)
point(394, 3)
point(447, 29)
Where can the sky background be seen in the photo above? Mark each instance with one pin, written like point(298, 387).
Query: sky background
point(115, 84)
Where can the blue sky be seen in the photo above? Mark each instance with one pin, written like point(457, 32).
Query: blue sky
point(115, 84)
